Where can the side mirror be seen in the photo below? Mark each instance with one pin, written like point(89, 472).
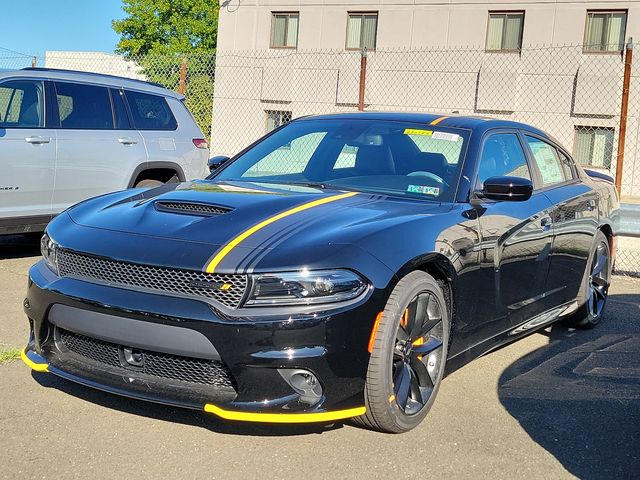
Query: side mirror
point(216, 162)
point(515, 189)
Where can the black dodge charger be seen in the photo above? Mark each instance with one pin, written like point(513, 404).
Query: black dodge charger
point(338, 267)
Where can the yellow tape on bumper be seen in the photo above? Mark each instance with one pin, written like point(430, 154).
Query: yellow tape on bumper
point(38, 367)
point(284, 417)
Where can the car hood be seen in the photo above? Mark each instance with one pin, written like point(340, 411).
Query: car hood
point(249, 217)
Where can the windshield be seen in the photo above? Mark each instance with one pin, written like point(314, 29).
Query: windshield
point(395, 158)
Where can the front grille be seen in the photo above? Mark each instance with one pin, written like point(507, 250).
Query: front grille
point(162, 365)
point(169, 280)
point(97, 350)
point(191, 208)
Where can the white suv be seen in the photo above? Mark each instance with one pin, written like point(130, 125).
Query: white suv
point(66, 136)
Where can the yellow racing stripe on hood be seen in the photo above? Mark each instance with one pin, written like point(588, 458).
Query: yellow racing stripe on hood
point(211, 266)
point(438, 120)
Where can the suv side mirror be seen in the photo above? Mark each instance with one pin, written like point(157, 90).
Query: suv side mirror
point(217, 161)
point(515, 189)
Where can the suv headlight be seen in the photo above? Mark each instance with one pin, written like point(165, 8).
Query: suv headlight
point(305, 287)
point(49, 250)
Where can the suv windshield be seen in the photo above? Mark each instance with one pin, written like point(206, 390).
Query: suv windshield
point(395, 158)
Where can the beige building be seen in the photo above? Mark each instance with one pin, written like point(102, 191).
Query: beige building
point(557, 65)
point(249, 25)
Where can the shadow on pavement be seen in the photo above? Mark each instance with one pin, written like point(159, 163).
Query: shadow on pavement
point(178, 415)
point(20, 246)
point(579, 396)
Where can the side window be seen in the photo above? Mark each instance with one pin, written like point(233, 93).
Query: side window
point(119, 110)
point(347, 157)
point(567, 166)
point(502, 155)
point(84, 107)
point(552, 169)
point(289, 158)
point(150, 112)
point(21, 104)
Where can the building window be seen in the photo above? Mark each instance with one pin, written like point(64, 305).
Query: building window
point(362, 29)
point(604, 31)
point(504, 31)
point(593, 146)
point(284, 30)
point(275, 118)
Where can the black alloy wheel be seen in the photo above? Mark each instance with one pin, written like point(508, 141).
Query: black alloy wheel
point(408, 355)
point(594, 292)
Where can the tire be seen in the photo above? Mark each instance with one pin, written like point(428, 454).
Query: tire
point(410, 350)
point(594, 289)
point(148, 183)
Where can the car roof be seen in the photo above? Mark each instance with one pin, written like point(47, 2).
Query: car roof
point(89, 77)
point(452, 120)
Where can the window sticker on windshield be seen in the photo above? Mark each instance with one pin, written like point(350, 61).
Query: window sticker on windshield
point(416, 131)
point(450, 137)
point(435, 191)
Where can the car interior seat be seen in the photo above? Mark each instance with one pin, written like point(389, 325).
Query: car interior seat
point(374, 160)
point(30, 112)
point(432, 162)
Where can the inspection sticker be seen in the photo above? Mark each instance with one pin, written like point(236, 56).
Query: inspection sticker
point(417, 131)
point(435, 191)
point(450, 137)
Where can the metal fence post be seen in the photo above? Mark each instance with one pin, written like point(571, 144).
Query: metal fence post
point(628, 58)
point(183, 76)
point(363, 77)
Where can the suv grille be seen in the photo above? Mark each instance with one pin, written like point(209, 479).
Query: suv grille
point(168, 280)
point(162, 365)
point(191, 208)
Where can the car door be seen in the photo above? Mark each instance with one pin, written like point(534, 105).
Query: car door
point(516, 239)
point(574, 214)
point(98, 151)
point(27, 153)
point(158, 126)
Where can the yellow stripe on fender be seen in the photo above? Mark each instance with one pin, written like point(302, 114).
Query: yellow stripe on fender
point(38, 367)
point(284, 417)
point(438, 120)
point(247, 233)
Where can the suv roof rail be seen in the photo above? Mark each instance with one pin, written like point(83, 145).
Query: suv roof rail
point(106, 75)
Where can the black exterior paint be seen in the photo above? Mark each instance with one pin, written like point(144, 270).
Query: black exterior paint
point(503, 263)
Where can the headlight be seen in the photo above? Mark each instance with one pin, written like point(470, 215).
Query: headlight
point(305, 287)
point(49, 250)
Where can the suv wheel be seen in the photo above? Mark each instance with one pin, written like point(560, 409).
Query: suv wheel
point(148, 183)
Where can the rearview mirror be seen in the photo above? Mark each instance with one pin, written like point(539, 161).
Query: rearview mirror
point(217, 161)
point(515, 189)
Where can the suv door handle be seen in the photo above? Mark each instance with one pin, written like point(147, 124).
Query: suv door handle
point(545, 223)
point(37, 140)
point(127, 141)
point(591, 205)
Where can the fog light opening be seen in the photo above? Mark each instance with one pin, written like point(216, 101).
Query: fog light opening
point(305, 384)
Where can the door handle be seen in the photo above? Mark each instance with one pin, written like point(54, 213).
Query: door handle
point(591, 205)
point(545, 223)
point(37, 140)
point(127, 141)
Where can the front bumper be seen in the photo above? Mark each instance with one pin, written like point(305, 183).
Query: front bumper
point(251, 353)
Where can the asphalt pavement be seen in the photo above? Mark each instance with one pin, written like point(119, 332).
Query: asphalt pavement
point(558, 404)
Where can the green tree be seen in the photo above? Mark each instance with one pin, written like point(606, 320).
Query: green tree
point(160, 34)
point(167, 27)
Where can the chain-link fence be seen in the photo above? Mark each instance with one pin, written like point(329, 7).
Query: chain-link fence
point(572, 93)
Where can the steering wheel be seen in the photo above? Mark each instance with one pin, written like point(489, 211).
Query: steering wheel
point(430, 175)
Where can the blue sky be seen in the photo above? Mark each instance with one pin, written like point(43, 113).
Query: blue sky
point(34, 26)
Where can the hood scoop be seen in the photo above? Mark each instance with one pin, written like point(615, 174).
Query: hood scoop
point(190, 208)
